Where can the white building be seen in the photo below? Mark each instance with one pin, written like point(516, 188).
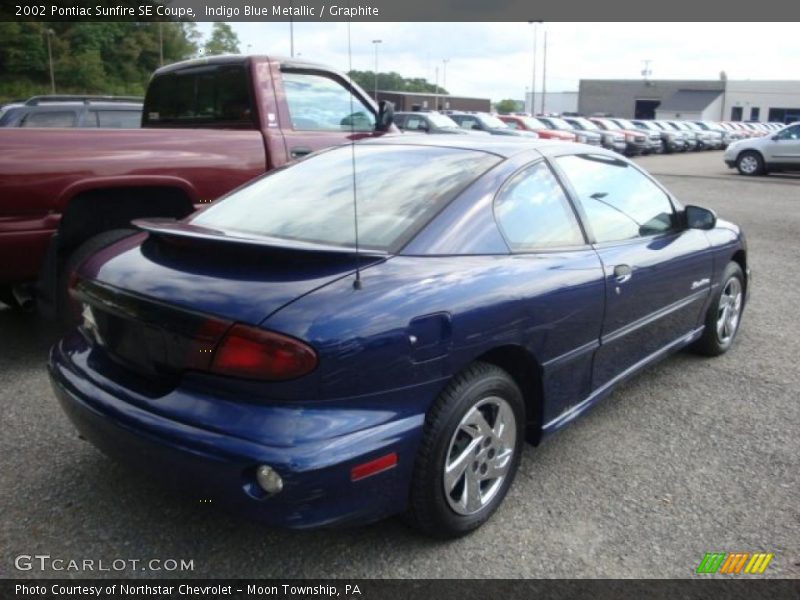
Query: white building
point(554, 102)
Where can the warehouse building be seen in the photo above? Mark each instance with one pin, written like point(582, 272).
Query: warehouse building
point(554, 102)
point(718, 100)
point(405, 101)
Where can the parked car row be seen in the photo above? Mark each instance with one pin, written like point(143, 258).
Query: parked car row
point(116, 112)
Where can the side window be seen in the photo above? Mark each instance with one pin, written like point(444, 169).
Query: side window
point(318, 103)
point(49, 119)
point(533, 211)
point(619, 201)
point(415, 123)
point(512, 124)
point(119, 119)
point(790, 133)
point(469, 123)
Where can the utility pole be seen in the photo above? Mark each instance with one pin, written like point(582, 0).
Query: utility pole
point(48, 33)
point(160, 44)
point(291, 29)
point(544, 70)
point(375, 45)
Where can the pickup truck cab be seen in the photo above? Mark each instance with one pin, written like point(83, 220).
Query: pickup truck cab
point(208, 126)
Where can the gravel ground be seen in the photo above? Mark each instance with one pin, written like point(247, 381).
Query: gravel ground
point(692, 456)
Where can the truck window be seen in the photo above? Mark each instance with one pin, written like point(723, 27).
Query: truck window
point(318, 103)
point(64, 118)
point(213, 94)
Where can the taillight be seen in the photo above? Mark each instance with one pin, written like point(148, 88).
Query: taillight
point(257, 354)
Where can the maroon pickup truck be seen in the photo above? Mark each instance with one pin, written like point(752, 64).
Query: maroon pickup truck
point(208, 126)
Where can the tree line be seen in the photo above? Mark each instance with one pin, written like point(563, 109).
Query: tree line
point(119, 58)
point(97, 58)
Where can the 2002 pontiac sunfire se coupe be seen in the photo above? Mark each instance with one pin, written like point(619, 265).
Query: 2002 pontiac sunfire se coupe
point(504, 288)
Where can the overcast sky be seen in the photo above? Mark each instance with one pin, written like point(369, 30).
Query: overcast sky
point(494, 59)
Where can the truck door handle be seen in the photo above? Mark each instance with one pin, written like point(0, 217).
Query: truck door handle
point(300, 151)
point(622, 273)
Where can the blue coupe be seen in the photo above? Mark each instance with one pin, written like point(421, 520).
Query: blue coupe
point(257, 355)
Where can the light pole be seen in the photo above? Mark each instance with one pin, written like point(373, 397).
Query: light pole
point(48, 33)
point(444, 79)
point(532, 109)
point(375, 45)
point(544, 70)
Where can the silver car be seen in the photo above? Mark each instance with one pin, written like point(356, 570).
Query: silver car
point(779, 151)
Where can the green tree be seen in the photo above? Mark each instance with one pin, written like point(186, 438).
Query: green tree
point(88, 58)
point(394, 82)
point(223, 40)
point(507, 106)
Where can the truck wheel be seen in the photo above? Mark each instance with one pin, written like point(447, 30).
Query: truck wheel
point(81, 253)
point(470, 450)
point(750, 163)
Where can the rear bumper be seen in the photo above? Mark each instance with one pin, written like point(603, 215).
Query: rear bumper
point(215, 465)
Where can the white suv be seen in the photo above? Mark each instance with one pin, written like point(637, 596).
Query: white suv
point(779, 151)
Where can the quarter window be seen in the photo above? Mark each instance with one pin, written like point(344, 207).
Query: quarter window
point(534, 213)
point(318, 103)
point(619, 201)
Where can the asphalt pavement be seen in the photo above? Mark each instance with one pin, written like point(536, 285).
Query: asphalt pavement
point(694, 455)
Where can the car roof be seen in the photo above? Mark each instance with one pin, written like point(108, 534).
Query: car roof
point(505, 147)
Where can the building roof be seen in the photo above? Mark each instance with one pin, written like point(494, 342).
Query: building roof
point(690, 100)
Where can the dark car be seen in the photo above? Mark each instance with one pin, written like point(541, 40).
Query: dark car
point(75, 111)
point(427, 122)
point(488, 123)
point(262, 356)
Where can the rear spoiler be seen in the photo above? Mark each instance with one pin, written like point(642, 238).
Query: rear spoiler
point(170, 228)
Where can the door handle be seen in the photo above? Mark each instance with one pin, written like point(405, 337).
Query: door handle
point(622, 273)
point(300, 151)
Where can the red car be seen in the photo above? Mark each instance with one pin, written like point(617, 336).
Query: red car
point(535, 125)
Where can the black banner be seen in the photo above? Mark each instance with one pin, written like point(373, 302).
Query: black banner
point(392, 10)
point(370, 589)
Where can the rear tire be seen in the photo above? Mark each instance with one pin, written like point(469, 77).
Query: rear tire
point(470, 451)
point(724, 315)
point(91, 246)
point(750, 163)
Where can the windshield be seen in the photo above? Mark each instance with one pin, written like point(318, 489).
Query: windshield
point(559, 123)
point(441, 120)
point(644, 125)
point(586, 124)
point(493, 122)
point(625, 124)
point(399, 188)
point(533, 123)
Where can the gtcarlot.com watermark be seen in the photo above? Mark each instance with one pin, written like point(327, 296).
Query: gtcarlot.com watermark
point(46, 562)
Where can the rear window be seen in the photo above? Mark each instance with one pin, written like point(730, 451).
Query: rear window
point(399, 189)
point(214, 94)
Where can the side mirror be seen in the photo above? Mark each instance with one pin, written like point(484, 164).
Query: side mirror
point(698, 217)
point(385, 116)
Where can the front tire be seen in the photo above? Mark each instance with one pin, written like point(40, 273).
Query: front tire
point(750, 163)
point(469, 454)
point(724, 314)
